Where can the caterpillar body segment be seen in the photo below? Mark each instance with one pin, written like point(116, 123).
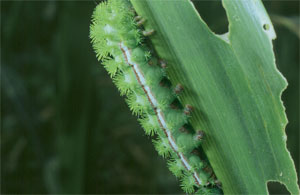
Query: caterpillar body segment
point(118, 42)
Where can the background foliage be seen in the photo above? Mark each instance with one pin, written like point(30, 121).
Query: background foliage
point(64, 127)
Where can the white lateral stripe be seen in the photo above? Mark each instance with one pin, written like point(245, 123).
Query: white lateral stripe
point(171, 140)
point(184, 161)
point(141, 78)
point(169, 135)
point(161, 118)
point(139, 73)
point(135, 66)
point(152, 98)
point(198, 179)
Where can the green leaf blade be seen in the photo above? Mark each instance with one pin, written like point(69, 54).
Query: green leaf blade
point(235, 88)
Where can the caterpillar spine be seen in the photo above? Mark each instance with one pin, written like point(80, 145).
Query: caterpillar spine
point(118, 43)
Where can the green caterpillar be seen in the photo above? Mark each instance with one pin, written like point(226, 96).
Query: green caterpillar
point(118, 42)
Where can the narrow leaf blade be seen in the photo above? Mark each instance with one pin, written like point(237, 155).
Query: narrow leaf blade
point(233, 83)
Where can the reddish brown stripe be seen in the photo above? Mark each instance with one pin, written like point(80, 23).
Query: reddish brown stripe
point(185, 160)
point(196, 179)
point(124, 54)
point(136, 75)
point(171, 146)
point(161, 126)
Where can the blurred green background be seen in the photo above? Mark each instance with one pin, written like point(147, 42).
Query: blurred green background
point(64, 126)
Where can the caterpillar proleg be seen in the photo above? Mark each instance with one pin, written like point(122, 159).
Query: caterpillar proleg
point(118, 42)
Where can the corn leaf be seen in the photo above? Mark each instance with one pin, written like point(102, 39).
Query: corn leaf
point(234, 85)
